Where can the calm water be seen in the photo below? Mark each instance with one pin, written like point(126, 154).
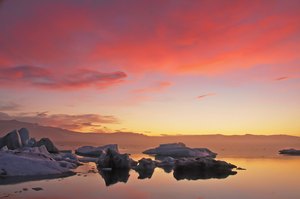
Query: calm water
point(276, 178)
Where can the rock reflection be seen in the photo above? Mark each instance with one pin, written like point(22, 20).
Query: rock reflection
point(143, 174)
point(167, 169)
point(196, 174)
point(114, 176)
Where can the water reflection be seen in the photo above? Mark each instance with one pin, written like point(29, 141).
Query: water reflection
point(143, 174)
point(114, 176)
point(195, 174)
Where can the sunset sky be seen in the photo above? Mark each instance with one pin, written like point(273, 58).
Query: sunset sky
point(152, 66)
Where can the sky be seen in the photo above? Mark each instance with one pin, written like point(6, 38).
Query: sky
point(153, 67)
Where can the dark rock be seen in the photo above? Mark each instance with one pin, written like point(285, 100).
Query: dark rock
point(167, 164)
point(48, 144)
point(3, 173)
point(24, 136)
point(145, 168)
point(145, 164)
point(113, 159)
point(37, 189)
point(11, 140)
point(289, 152)
point(31, 142)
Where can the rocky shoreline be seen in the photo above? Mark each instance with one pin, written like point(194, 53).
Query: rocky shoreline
point(23, 158)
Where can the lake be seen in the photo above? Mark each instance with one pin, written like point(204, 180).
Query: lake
point(264, 178)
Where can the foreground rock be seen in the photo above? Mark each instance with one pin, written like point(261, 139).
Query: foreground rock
point(202, 168)
point(22, 158)
point(290, 152)
point(36, 161)
point(20, 138)
point(179, 150)
point(90, 151)
point(11, 140)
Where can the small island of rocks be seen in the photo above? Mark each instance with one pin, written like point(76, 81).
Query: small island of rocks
point(23, 158)
point(289, 152)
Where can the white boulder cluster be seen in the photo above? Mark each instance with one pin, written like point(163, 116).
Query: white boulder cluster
point(177, 150)
point(21, 156)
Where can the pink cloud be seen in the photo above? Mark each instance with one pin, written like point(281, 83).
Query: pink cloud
point(140, 36)
point(44, 78)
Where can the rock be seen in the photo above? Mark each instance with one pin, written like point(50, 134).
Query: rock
point(40, 151)
point(180, 150)
point(4, 148)
point(31, 142)
point(167, 162)
point(202, 168)
point(290, 152)
point(88, 159)
point(11, 140)
point(145, 164)
point(37, 188)
point(145, 168)
point(49, 145)
point(91, 151)
point(24, 136)
point(113, 159)
point(29, 164)
point(67, 157)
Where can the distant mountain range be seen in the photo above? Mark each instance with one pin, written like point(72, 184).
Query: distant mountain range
point(224, 145)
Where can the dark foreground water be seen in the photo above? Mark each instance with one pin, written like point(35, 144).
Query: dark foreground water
point(276, 178)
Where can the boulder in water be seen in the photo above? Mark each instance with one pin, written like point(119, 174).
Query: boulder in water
point(289, 152)
point(113, 159)
point(180, 150)
point(90, 151)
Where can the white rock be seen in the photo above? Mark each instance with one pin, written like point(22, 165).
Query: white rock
point(180, 150)
point(91, 151)
point(14, 164)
